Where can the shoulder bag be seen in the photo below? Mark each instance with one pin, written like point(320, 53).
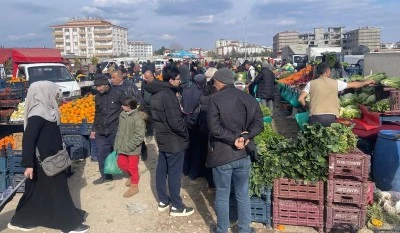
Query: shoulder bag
point(55, 164)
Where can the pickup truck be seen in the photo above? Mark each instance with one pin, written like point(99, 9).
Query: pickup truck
point(55, 72)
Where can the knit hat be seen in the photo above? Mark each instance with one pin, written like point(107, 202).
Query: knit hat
point(101, 80)
point(199, 78)
point(224, 76)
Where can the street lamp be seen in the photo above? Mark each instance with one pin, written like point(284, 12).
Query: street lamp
point(245, 47)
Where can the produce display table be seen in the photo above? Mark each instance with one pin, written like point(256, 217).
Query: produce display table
point(389, 118)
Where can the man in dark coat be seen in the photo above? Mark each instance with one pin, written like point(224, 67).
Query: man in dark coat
point(172, 138)
point(265, 82)
point(105, 126)
point(234, 118)
point(129, 89)
point(185, 73)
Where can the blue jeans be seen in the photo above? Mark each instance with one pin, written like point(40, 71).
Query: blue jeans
point(237, 173)
point(171, 166)
point(104, 146)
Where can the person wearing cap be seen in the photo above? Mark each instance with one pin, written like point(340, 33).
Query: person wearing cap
point(108, 108)
point(172, 139)
point(234, 118)
point(265, 82)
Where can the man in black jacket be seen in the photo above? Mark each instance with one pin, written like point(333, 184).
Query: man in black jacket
point(172, 138)
point(108, 108)
point(129, 89)
point(234, 118)
point(265, 82)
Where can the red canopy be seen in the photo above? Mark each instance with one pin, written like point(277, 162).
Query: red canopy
point(30, 55)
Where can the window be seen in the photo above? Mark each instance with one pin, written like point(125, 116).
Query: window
point(51, 73)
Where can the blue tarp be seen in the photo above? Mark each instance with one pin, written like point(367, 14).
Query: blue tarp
point(183, 54)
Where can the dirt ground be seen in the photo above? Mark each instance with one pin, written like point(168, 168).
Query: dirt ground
point(110, 212)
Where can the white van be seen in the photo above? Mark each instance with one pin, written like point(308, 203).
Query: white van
point(105, 64)
point(55, 72)
point(160, 63)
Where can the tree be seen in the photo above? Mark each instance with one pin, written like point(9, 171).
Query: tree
point(160, 51)
point(77, 62)
point(94, 60)
point(213, 54)
point(175, 46)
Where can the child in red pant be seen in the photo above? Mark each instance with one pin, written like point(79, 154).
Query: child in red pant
point(128, 142)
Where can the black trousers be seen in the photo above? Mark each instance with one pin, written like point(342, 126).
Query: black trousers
point(324, 119)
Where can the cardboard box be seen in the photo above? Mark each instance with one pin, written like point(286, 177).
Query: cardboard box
point(18, 140)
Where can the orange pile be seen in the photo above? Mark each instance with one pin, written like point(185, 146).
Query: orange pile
point(16, 80)
point(297, 76)
point(7, 140)
point(74, 112)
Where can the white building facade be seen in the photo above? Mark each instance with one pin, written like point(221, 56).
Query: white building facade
point(140, 49)
point(90, 37)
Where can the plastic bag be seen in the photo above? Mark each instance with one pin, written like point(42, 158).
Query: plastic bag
point(111, 166)
point(302, 118)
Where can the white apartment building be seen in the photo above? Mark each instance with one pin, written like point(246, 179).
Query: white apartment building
point(90, 37)
point(140, 49)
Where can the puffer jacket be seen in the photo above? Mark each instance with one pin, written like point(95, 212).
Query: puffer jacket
point(171, 133)
point(108, 109)
point(265, 82)
point(231, 112)
point(131, 133)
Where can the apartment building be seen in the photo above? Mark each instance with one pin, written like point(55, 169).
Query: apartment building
point(225, 47)
point(140, 50)
point(367, 36)
point(283, 39)
point(90, 37)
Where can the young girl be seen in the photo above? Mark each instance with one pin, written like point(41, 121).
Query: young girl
point(128, 142)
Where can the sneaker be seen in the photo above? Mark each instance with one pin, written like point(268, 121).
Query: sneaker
point(184, 211)
point(102, 180)
point(19, 228)
point(81, 229)
point(162, 206)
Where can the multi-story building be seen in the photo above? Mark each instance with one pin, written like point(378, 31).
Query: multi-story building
point(283, 39)
point(140, 49)
point(223, 42)
point(90, 37)
point(226, 47)
point(367, 36)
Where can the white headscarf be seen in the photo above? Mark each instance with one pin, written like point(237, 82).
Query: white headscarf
point(41, 100)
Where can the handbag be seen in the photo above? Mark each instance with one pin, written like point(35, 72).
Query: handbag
point(55, 164)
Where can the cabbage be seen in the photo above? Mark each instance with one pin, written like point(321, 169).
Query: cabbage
point(370, 100)
point(347, 99)
point(392, 82)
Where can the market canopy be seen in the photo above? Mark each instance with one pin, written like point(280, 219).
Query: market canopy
point(183, 54)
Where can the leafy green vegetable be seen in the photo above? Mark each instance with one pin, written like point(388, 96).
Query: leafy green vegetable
point(378, 77)
point(304, 159)
point(265, 110)
point(356, 77)
point(381, 106)
point(350, 112)
point(391, 82)
point(347, 99)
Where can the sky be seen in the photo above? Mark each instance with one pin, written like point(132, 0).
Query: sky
point(196, 23)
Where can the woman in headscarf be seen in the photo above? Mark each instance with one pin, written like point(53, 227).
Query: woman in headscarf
point(193, 165)
point(47, 201)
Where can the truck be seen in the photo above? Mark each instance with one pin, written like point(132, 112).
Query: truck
point(316, 53)
point(295, 54)
point(38, 64)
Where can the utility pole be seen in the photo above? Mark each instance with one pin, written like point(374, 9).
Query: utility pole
point(245, 47)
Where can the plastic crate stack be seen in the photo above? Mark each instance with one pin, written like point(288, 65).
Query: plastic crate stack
point(16, 171)
point(260, 207)
point(347, 191)
point(3, 171)
point(297, 203)
point(76, 137)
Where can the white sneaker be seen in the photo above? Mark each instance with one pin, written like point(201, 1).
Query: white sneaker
point(162, 206)
point(81, 229)
point(17, 228)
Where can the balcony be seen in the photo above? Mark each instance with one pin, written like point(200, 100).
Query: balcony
point(103, 31)
point(58, 33)
point(103, 38)
point(82, 39)
point(57, 40)
point(104, 46)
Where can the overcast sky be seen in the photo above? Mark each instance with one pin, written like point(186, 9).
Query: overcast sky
point(196, 23)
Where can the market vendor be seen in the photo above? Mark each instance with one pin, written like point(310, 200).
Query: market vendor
point(324, 101)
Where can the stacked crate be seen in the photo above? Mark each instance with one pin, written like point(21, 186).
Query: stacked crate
point(3, 170)
point(76, 139)
point(16, 171)
point(260, 207)
point(298, 203)
point(347, 190)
